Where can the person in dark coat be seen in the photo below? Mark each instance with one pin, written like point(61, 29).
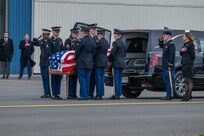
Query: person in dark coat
point(27, 50)
point(57, 46)
point(100, 62)
point(71, 44)
point(188, 55)
point(168, 58)
point(92, 34)
point(117, 57)
point(84, 57)
point(6, 54)
point(45, 48)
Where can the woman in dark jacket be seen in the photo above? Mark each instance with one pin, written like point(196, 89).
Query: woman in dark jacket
point(188, 55)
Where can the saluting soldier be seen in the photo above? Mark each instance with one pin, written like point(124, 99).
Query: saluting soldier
point(45, 47)
point(117, 57)
point(70, 44)
point(92, 34)
point(168, 58)
point(100, 62)
point(57, 46)
point(84, 57)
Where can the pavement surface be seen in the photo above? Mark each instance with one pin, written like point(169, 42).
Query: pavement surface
point(24, 113)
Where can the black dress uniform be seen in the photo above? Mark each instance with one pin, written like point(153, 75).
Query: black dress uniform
point(45, 47)
point(6, 55)
point(71, 45)
point(57, 46)
point(84, 57)
point(117, 57)
point(100, 62)
point(168, 58)
point(92, 79)
point(27, 50)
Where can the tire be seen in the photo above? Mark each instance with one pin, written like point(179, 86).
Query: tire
point(130, 93)
point(179, 85)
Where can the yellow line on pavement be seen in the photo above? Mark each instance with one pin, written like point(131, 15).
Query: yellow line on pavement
point(99, 104)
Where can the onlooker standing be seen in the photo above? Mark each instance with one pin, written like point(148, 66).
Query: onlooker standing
point(100, 62)
point(117, 56)
point(6, 55)
point(168, 58)
point(27, 50)
point(188, 55)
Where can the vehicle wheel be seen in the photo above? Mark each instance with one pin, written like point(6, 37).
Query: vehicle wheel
point(130, 93)
point(179, 85)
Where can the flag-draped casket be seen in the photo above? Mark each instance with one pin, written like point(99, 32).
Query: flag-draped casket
point(64, 62)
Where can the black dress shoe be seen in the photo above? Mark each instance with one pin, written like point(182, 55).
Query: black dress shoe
point(101, 97)
point(72, 97)
point(113, 97)
point(3, 77)
point(167, 98)
point(97, 98)
point(80, 98)
point(57, 97)
point(117, 97)
point(188, 98)
point(184, 98)
point(91, 97)
point(20, 77)
point(7, 77)
point(45, 96)
point(29, 78)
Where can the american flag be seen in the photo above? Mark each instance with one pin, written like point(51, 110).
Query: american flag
point(64, 61)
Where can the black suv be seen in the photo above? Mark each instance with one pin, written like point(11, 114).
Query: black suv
point(144, 63)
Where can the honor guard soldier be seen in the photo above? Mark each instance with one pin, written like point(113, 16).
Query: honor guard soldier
point(92, 34)
point(6, 54)
point(168, 58)
point(70, 44)
point(45, 48)
point(100, 62)
point(117, 57)
point(84, 57)
point(57, 46)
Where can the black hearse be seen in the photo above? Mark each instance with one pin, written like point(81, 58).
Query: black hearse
point(144, 63)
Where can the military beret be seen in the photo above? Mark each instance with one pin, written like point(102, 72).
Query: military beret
point(85, 28)
point(46, 31)
point(117, 31)
point(166, 33)
point(93, 25)
point(101, 31)
point(56, 28)
point(75, 30)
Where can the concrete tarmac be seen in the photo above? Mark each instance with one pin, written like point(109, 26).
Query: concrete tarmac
point(24, 113)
